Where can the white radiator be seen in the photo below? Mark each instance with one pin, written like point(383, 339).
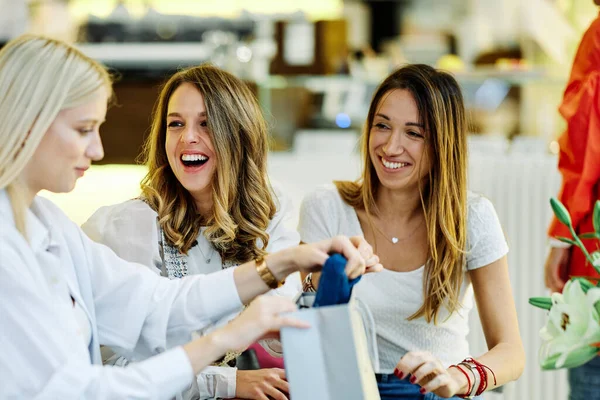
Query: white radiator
point(520, 187)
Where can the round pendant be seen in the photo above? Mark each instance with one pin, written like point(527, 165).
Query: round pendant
point(208, 261)
point(394, 240)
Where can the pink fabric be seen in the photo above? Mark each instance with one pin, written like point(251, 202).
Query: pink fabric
point(265, 360)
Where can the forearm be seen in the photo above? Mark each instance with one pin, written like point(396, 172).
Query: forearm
point(249, 283)
point(205, 350)
point(505, 360)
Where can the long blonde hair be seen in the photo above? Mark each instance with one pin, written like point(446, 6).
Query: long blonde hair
point(443, 194)
point(39, 77)
point(243, 204)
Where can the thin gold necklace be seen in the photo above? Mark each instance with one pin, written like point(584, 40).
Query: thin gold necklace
point(393, 239)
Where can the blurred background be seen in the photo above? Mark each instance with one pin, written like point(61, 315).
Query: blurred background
point(314, 65)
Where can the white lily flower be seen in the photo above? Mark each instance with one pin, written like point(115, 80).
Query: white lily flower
point(596, 258)
point(573, 326)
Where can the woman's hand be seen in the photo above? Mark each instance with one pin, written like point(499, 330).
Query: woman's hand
point(428, 372)
point(262, 384)
point(359, 253)
point(557, 260)
point(263, 317)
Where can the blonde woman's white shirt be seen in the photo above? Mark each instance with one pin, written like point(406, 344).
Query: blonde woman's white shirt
point(394, 296)
point(44, 352)
point(130, 229)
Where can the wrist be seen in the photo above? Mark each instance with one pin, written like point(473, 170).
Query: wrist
point(204, 350)
point(221, 340)
point(460, 376)
point(281, 264)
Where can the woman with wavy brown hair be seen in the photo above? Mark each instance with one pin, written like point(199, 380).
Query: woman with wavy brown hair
point(437, 241)
point(206, 203)
point(62, 295)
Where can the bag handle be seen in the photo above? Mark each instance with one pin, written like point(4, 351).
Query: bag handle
point(370, 331)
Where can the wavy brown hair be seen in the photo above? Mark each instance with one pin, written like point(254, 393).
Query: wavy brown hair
point(243, 202)
point(443, 194)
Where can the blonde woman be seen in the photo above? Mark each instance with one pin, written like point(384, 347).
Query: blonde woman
point(439, 243)
point(206, 203)
point(63, 295)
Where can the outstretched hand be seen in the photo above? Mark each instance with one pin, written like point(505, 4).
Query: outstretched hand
point(262, 318)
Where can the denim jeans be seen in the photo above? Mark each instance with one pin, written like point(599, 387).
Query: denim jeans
point(392, 388)
point(584, 381)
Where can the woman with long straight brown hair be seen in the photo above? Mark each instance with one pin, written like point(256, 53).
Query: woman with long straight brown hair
point(438, 243)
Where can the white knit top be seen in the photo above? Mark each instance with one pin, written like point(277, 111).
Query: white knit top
point(393, 296)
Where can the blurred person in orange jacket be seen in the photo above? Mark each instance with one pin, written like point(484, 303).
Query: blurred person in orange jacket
point(579, 164)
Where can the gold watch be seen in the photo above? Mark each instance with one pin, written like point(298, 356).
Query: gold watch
point(265, 273)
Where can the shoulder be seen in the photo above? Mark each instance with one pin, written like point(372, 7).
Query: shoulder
point(324, 197)
point(282, 226)
point(280, 197)
point(486, 242)
point(480, 210)
point(132, 211)
point(120, 219)
point(323, 214)
point(478, 205)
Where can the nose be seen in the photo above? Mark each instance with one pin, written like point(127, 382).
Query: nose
point(394, 145)
point(189, 135)
point(95, 150)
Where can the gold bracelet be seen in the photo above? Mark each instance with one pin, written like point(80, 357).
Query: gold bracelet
point(265, 273)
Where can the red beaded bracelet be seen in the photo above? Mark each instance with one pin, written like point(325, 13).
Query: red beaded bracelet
point(481, 369)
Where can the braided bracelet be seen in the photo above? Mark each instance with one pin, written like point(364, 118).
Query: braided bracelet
point(464, 396)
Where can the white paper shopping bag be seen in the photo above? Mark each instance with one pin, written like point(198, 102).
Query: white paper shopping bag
point(335, 359)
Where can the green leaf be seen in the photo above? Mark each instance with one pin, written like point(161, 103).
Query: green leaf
point(584, 283)
point(560, 211)
point(591, 235)
point(596, 219)
point(575, 358)
point(541, 302)
point(567, 240)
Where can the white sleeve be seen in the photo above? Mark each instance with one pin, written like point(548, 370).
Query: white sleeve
point(217, 382)
point(41, 359)
point(129, 229)
point(283, 235)
point(160, 313)
point(485, 239)
point(316, 213)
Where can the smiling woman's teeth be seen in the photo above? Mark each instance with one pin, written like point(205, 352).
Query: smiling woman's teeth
point(193, 157)
point(393, 165)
